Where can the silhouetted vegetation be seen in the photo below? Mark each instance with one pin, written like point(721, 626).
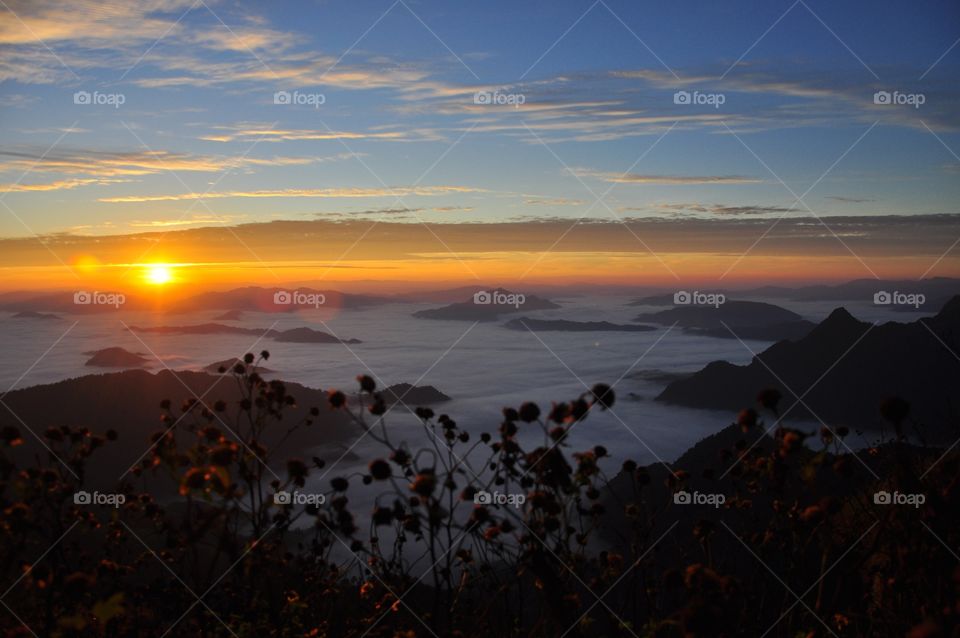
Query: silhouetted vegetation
point(799, 545)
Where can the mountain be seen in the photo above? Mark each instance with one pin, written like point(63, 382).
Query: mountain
point(844, 369)
point(293, 335)
point(230, 315)
point(252, 298)
point(116, 358)
point(29, 314)
point(488, 305)
point(308, 335)
point(743, 319)
point(934, 288)
point(128, 402)
point(539, 325)
point(412, 395)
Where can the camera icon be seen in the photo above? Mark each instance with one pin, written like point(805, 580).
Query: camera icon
point(882, 498)
point(681, 97)
point(82, 97)
point(82, 498)
point(282, 498)
point(882, 97)
point(483, 497)
point(682, 497)
point(483, 97)
point(282, 97)
point(82, 298)
point(682, 298)
point(282, 298)
point(483, 298)
point(882, 298)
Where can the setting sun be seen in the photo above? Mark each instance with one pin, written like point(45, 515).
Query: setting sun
point(159, 274)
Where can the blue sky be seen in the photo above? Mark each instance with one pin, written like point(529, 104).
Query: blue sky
point(400, 136)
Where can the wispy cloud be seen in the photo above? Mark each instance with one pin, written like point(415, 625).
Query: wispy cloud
point(136, 163)
point(718, 209)
point(553, 201)
point(850, 200)
point(327, 193)
point(636, 178)
point(252, 133)
point(58, 185)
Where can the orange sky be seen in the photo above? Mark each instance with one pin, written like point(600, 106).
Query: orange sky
point(356, 254)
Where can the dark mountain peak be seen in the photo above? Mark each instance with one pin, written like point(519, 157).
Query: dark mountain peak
point(950, 313)
point(839, 323)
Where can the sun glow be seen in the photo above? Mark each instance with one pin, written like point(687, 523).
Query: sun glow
point(159, 274)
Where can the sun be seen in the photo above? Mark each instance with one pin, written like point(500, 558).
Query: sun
point(159, 274)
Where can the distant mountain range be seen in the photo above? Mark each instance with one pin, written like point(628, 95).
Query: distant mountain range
point(936, 289)
point(844, 369)
point(732, 319)
point(251, 298)
point(293, 335)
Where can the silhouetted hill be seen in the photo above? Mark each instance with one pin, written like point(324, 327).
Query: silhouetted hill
point(308, 335)
point(230, 315)
point(129, 403)
point(488, 306)
point(935, 289)
point(116, 358)
point(844, 369)
point(29, 314)
point(746, 319)
point(413, 395)
point(537, 325)
point(293, 335)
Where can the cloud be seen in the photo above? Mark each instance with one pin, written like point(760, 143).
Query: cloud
point(634, 178)
point(451, 209)
point(850, 200)
point(553, 201)
point(717, 209)
point(874, 237)
point(268, 134)
point(137, 163)
point(59, 185)
point(195, 220)
point(328, 193)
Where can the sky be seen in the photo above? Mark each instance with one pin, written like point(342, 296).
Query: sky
point(410, 140)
